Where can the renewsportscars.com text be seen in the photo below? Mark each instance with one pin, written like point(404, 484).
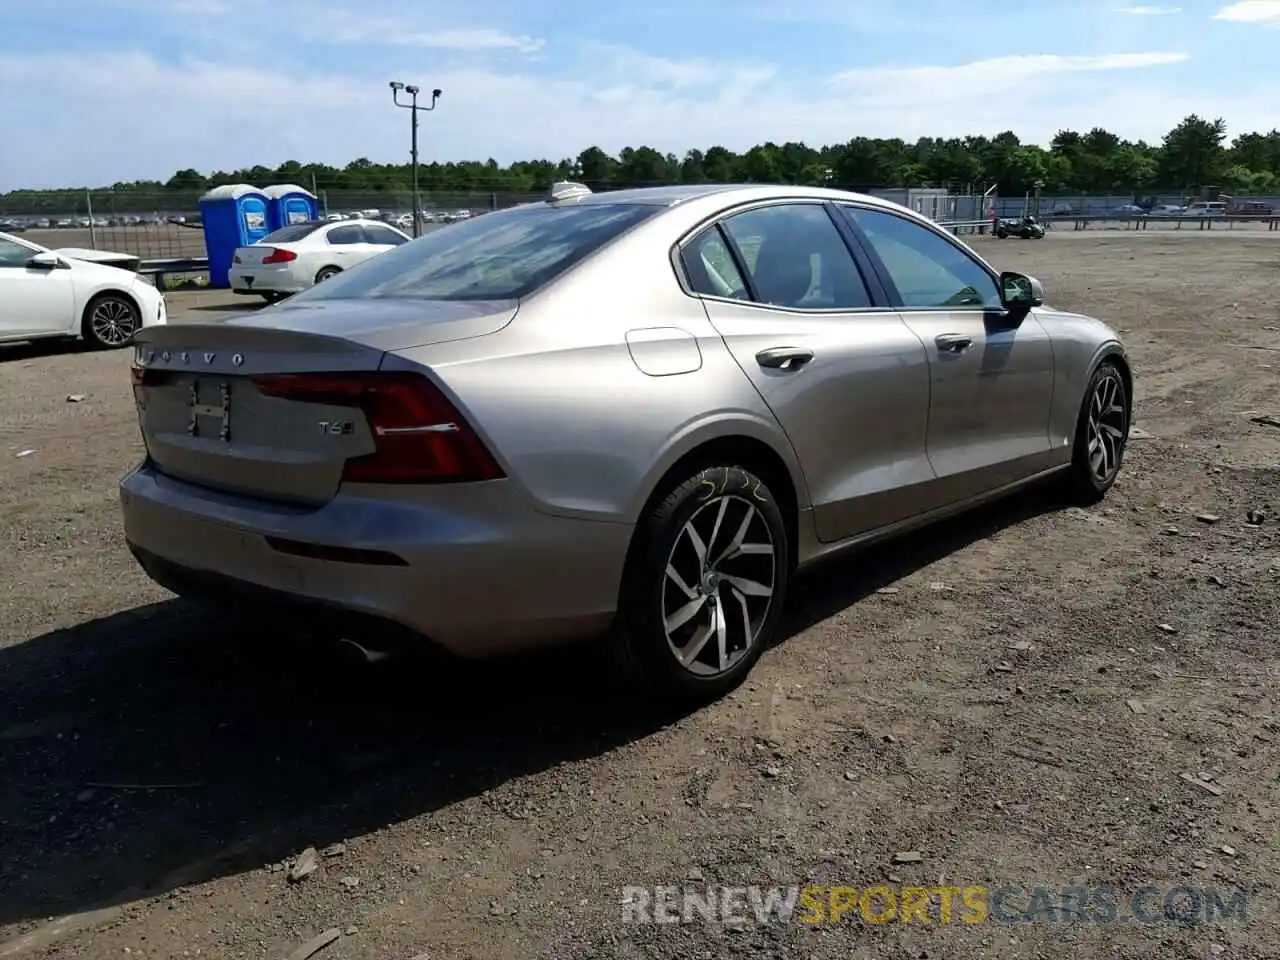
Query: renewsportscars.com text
point(969, 904)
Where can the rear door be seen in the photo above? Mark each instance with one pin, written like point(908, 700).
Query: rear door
point(847, 380)
point(991, 371)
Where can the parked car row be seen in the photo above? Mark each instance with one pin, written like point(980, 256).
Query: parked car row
point(403, 220)
point(22, 224)
point(1198, 208)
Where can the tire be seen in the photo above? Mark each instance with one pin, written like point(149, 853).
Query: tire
point(324, 273)
point(1001, 235)
point(1086, 482)
point(110, 321)
point(659, 612)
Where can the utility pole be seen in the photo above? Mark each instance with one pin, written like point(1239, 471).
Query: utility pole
point(412, 106)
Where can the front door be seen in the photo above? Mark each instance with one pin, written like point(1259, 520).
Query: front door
point(992, 371)
point(33, 301)
point(847, 380)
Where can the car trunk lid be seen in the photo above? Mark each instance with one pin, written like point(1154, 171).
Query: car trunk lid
point(205, 421)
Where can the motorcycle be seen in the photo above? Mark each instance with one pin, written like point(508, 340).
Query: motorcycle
point(1026, 228)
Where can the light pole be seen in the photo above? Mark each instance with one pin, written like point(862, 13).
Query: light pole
point(412, 105)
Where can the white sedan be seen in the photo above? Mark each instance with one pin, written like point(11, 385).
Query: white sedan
point(298, 256)
point(44, 293)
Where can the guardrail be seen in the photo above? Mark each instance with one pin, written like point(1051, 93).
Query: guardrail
point(159, 269)
point(1139, 221)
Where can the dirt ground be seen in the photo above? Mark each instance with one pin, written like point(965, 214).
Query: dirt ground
point(1014, 696)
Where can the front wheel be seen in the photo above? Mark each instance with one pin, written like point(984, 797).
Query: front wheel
point(110, 321)
point(1102, 430)
point(703, 590)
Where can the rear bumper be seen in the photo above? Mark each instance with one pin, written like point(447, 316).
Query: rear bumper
point(475, 570)
point(265, 280)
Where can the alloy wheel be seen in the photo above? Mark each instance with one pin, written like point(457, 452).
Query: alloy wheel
point(1107, 427)
point(718, 586)
point(113, 322)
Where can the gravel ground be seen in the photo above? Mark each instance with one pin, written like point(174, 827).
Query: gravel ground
point(1013, 698)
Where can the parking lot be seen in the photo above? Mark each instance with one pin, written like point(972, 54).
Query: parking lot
point(1012, 698)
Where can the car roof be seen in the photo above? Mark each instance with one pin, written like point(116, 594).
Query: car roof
point(671, 195)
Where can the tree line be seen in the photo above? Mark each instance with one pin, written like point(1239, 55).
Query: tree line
point(1193, 155)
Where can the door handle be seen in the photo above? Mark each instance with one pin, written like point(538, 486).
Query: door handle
point(784, 358)
point(953, 342)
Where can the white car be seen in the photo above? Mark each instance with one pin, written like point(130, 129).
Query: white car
point(296, 257)
point(44, 293)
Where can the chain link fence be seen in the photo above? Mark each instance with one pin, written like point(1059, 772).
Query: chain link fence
point(166, 224)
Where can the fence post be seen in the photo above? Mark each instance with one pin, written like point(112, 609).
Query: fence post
point(93, 234)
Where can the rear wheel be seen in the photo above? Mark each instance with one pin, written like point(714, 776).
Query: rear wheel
point(110, 321)
point(704, 586)
point(1102, 430)
point(325, 273)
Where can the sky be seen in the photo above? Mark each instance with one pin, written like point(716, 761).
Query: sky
point(99, 91)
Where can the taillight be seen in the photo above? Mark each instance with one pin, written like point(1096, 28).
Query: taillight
point(278, 255)
point(419, 435)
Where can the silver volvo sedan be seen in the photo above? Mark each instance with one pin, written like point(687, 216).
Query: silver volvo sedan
point(627, 417)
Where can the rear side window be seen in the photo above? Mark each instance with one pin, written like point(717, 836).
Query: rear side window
point(500, 256)
point(293, 232)
point(711, 268)
point(383, 235)
point(340, 236)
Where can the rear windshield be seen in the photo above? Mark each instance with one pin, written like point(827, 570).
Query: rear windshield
point(293, 232)
point(500, 256)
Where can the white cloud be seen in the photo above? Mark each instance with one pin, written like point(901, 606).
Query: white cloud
point(73, 119)
point(983, 77)
point(1149, 11)
point(650, 71)
point(1251, 11)
point(352, 28)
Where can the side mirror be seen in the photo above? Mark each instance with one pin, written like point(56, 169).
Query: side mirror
point(47, 260)
point(1020, 292)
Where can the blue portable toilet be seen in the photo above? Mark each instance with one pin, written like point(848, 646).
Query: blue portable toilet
point(288, 203)
point(233, 216)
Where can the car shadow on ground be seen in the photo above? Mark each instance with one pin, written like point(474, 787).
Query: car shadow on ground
point(157, 748)
point(38, 349)
point(246, 305)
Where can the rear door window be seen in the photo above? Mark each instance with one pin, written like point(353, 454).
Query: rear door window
point(796, 258)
